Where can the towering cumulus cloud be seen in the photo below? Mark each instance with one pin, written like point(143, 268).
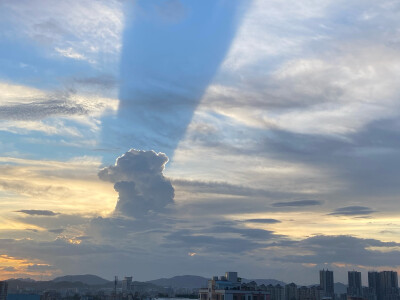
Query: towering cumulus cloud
point(138, 178)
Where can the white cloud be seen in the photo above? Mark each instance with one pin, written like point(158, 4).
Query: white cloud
point(63, 186)
point(70, 53)
point(334, 95)
point(14, 93)
point(274, 28)
point(24, 109)
point(84, 29)
point(49, 127)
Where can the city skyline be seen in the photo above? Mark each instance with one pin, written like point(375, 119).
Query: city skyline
point(381, 286)
point(170, 137)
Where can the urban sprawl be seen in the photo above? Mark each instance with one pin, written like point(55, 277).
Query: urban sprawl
point(381, 286)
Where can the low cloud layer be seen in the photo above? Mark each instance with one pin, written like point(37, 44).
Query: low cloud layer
point(139, 180)
point(37, 212)
point(346, 250)
point(353, 211)
point(299, 203)
point(262, 221)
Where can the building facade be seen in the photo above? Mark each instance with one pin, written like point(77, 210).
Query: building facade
point(326, 283)
point(384, 285)
point(229, 287)
point(354, 288)
point(3, 290)
point(291, 291)
point(126, 284)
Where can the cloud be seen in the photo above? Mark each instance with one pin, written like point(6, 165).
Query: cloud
point(78, 30)
point(40, 267)
point(249, 233)
point(50, 250)
point(36, 212)
point(262, 221)
point(352, 211)
point(71, 187)
point(102, 81)
point(8, 269)
point(70, 53)
point(19, 102)
point(221, 236)
point(138, 178)
point(73, 111)
point(59, 230)
point(40, 110)
point(344, 249)
point(300, 203)
point(223, 188)
point(208, 243)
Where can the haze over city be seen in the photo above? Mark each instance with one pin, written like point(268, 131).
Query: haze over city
point(157, 138)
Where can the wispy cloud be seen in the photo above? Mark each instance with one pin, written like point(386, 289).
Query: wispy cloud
point(37, 212)
point(78, 30)
point(298, 203)
point(262, 221)
point(352, 211)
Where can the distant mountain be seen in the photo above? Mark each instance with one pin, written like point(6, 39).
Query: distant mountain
point(86, 279)
point(23, 279)
point(340, 288)
point(264, 281)
point(185, 281)
point(15, 285)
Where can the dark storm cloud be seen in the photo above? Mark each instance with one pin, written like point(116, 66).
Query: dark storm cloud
point(299, 203)
point(36, 212)
point(262, 221)
point(345, 249)
point(139, 180)
point(352, 211)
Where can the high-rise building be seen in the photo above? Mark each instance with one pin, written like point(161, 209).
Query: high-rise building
point(229, 287)
point(3, 290)
point(231, 276)
point(373, 282)
point(291, 291)
point(384, 284)
point(354, 284)
point(126, 284)
point(326, 283)
point(389, 285)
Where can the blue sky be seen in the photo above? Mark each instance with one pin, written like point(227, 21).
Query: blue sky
point(210, 135)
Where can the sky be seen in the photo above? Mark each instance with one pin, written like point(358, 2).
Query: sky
point(156, 138)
